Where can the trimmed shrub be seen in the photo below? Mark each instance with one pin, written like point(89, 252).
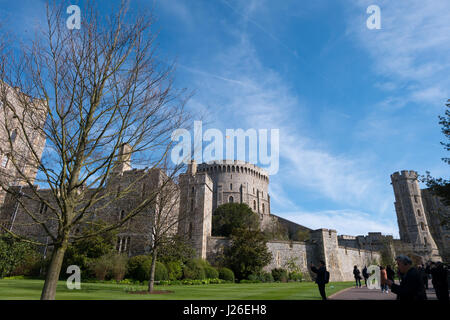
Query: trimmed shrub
point(211, 272)
point(280, 274)
point(226, 274)
point(139, 268)
point(175, 270)
point(195, 269)
point(160, 272)
point(266, 276)
point(296, 276)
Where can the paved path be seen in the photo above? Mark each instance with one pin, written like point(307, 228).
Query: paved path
point(364, 293)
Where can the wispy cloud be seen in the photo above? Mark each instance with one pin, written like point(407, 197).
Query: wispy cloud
point(412, 45)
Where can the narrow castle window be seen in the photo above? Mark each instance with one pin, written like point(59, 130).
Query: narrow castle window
point(263, 207)
point(121, 215)
point(43, 208)
point(254, 204)
point(415, 199)
point(190, 230)
point(192, 204)
point(231, 200)
point(422, 226)
point(144, 186)
point(418, 212)
point(13, 136)
point(231, 186)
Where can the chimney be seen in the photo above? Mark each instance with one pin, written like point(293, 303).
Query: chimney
point(192, 168)
point(124, 158)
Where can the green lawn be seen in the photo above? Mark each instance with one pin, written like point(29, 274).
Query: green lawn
point(31, 289)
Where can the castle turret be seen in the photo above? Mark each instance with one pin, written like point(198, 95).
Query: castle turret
point(412, 221)
point(195, 223)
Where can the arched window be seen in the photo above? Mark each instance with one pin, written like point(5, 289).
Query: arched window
point(228, 169)
point(230, 199)
point(422, 226)
point(232, 169)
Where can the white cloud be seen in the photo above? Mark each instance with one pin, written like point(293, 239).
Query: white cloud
point(412, 45)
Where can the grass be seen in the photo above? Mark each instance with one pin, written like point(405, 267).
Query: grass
point(25, 289)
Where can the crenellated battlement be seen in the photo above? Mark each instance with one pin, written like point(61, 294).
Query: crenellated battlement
point(236, 166)
point(404, 174)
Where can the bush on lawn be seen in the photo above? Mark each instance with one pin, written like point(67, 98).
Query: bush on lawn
point(195, 269)
point(280, 274)
point(139, 268)
point(211, 272)
point(261, 277)
point(296, 276)
point(175, 270)
point(226, 274)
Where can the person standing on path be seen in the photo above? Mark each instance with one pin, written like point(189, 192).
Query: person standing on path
point(357, 275)
point(365, 275)
point(411, 286)
point(383, 275)
point(321, 277)
point(440, 281)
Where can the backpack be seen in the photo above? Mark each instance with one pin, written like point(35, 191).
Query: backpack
point(327, 277)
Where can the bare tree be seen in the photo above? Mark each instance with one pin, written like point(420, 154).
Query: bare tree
point(165, 221)
point(97, 97)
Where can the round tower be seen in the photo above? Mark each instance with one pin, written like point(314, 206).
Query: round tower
point(240, 182)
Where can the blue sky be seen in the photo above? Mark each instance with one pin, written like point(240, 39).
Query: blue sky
point(353, 105)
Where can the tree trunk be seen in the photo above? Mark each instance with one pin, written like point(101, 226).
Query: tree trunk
point(152, 271)
point(52, 276)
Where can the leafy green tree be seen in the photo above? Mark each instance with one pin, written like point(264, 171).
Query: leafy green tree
point(83, 252)
point(441, 186)
point(248, 252)
point(231, 216)
point(12, 254)
point(175, 249)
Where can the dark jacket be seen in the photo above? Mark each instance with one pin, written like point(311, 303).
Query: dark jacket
point(364, 273)
point(320, 279)
point(390, 274)
point(357, 273)
point(411, 287)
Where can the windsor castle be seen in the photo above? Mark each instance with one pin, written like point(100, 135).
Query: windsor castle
point(205, 186)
